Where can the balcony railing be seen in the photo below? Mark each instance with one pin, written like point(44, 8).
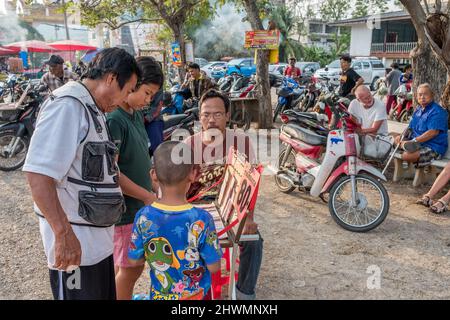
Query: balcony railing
point(393, 47)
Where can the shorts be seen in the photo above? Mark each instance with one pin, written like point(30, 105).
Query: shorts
point(122, 240)
point(96, 282)
point(426, 156)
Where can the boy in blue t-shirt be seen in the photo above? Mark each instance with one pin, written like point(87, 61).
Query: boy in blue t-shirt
point(178, 241)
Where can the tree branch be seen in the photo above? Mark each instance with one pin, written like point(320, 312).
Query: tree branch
point(418, 17)
point(438, 6)
point(427, 7)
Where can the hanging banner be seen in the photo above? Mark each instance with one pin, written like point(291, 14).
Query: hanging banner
point(262, 39)
point(176, 54)
point(189, 51)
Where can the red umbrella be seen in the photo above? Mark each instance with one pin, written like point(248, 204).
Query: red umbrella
point(6, 51)
point(71, 45)
point(31, 46)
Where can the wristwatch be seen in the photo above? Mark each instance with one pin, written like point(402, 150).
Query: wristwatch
point(415, 140)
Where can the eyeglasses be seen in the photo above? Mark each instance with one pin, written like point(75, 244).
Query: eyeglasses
point(215, 115)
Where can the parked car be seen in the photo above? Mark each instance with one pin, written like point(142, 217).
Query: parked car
point(201, 62)
point(244, 66)
point(308, 68)
point(331, 71)
point(210, 66)
point(276, 72)
point(370, 68)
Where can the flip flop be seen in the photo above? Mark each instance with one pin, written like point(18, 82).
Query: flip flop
point(411, 146)
point(425, 201)
point(440, 210)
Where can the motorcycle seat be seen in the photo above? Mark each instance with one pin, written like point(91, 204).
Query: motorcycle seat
point(304, 134)
point(172, 120)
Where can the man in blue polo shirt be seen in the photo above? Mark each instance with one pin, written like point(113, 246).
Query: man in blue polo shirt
point(429, 130)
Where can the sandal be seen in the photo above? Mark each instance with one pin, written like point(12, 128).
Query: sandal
point(425, 201)
point(440, 210)
point(411, 146)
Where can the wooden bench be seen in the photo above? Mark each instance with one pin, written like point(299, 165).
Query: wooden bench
point(426, 175)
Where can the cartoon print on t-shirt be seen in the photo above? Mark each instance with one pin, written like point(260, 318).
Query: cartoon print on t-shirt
point(211, 239)
point(160, 257)
point(194, 277)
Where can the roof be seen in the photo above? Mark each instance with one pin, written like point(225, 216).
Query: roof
point(397, 15)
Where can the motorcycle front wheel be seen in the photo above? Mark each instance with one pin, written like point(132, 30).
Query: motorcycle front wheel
point(11, 160)
point(370, 209)
point(405, 116)
point(288, 165)
point(277, 111)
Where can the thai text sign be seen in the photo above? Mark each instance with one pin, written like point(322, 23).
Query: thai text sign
point(262, 39)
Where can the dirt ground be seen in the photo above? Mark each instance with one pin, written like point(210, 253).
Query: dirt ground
point(306, 254)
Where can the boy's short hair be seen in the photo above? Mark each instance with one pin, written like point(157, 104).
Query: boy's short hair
point(193, 65)
point(151, 72)
point(168, 172)
point(346, 57)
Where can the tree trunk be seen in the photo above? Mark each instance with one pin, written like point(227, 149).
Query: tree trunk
point(262, 70)
point(427, 68)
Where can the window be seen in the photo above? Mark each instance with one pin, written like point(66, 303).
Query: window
point(246, 63)
point(377, 64)
point(357, 66)
point(329, 29)
point(315, 28)
point(366, 65)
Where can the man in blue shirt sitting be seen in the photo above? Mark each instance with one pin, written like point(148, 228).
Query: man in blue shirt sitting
point(428, 140)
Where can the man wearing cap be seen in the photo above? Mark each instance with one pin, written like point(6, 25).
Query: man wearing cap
point(57, 76)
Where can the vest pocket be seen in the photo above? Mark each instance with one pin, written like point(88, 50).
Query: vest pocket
point(101, 208)
point(111, 152)
point(92, 163)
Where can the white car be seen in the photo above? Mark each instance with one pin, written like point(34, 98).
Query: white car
point(210, 66)
point(370, 68)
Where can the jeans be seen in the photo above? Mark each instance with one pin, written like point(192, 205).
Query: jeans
point(250, 263)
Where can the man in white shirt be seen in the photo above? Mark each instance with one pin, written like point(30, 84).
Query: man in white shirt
point(70, 178)
point(370, 112)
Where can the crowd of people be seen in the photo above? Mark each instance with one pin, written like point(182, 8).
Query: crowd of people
point(427, 136)
point(110, 197)
point(102, 213)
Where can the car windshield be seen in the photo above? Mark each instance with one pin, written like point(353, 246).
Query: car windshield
point(336, 64)
point(235, 62)
point(272, 68)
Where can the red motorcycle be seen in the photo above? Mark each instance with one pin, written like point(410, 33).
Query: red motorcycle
point(320, 161)
point(403, 109)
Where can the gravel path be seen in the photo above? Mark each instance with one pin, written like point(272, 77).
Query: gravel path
point(306, 254)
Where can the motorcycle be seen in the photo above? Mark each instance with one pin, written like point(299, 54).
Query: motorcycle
point(185, 121)
point(16, 132)
point(321, 161)
point(289, 96)
point(313, 91)
point(241, 118)
point(403, 109)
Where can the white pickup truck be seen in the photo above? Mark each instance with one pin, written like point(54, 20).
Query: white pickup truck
point(370, 68)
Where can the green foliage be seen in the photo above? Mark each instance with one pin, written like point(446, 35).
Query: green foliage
point(316, 54)
point(286, 23)
point(368, 7)
point(333, 10)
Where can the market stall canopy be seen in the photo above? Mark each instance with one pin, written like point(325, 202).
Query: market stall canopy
point(71, 45)
point(31, 46)
point(6, 51)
